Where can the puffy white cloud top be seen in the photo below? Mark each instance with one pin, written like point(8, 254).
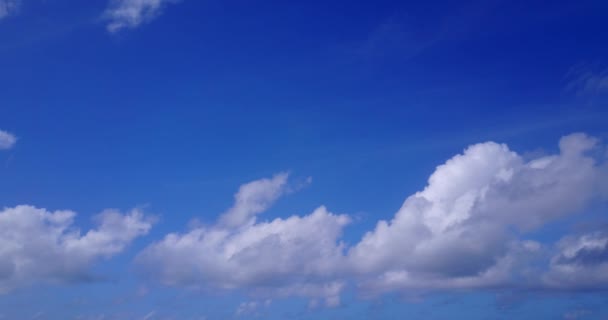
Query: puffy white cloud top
point(293, 256)
point(462, 229)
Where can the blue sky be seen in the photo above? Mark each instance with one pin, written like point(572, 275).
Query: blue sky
point(167, 159)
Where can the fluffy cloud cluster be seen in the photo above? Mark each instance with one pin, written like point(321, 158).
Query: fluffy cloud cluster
point(132, 13)
point(37, 245)
point(466, 229)
point(284, 257)
point(462, 229)
point(7, 140)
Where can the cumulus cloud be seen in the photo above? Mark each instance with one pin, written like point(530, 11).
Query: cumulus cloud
point(7, 140)
point(297, 255)
point(462, 230)
point(466, 229)
point(37, 245)
point(7, 7)
point(123, 14)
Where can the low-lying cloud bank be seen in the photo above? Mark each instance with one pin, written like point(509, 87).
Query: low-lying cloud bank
point(471, 227)
point(466, 229)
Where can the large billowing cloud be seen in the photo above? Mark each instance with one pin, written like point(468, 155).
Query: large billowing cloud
point(7, 140)
point(464, 229)
point(132, 13)
point(37, 245)
point(467, 228)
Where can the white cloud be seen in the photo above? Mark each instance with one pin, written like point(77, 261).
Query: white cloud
point(132, 13)
point(581, 262)
point(37, 245)
point(588, 79)
point(252, 308)
point(466, 229)
point(253, 198)
point(149, 316)
point(7, 140)
point(245, 308)
point(8, 7)
point(284, 257)
point(462, 229)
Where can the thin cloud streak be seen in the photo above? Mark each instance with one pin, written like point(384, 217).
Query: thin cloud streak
point(129, 14)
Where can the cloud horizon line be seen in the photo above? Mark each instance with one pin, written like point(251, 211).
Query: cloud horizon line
point(468, 228)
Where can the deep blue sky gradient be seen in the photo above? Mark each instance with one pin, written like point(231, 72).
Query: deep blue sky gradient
point(365, 97)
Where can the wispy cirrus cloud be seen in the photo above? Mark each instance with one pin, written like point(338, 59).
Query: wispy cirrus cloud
point(588, 79)
point(128, 14)
point(7, 140)
point(120, 14)
point(8, 7)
